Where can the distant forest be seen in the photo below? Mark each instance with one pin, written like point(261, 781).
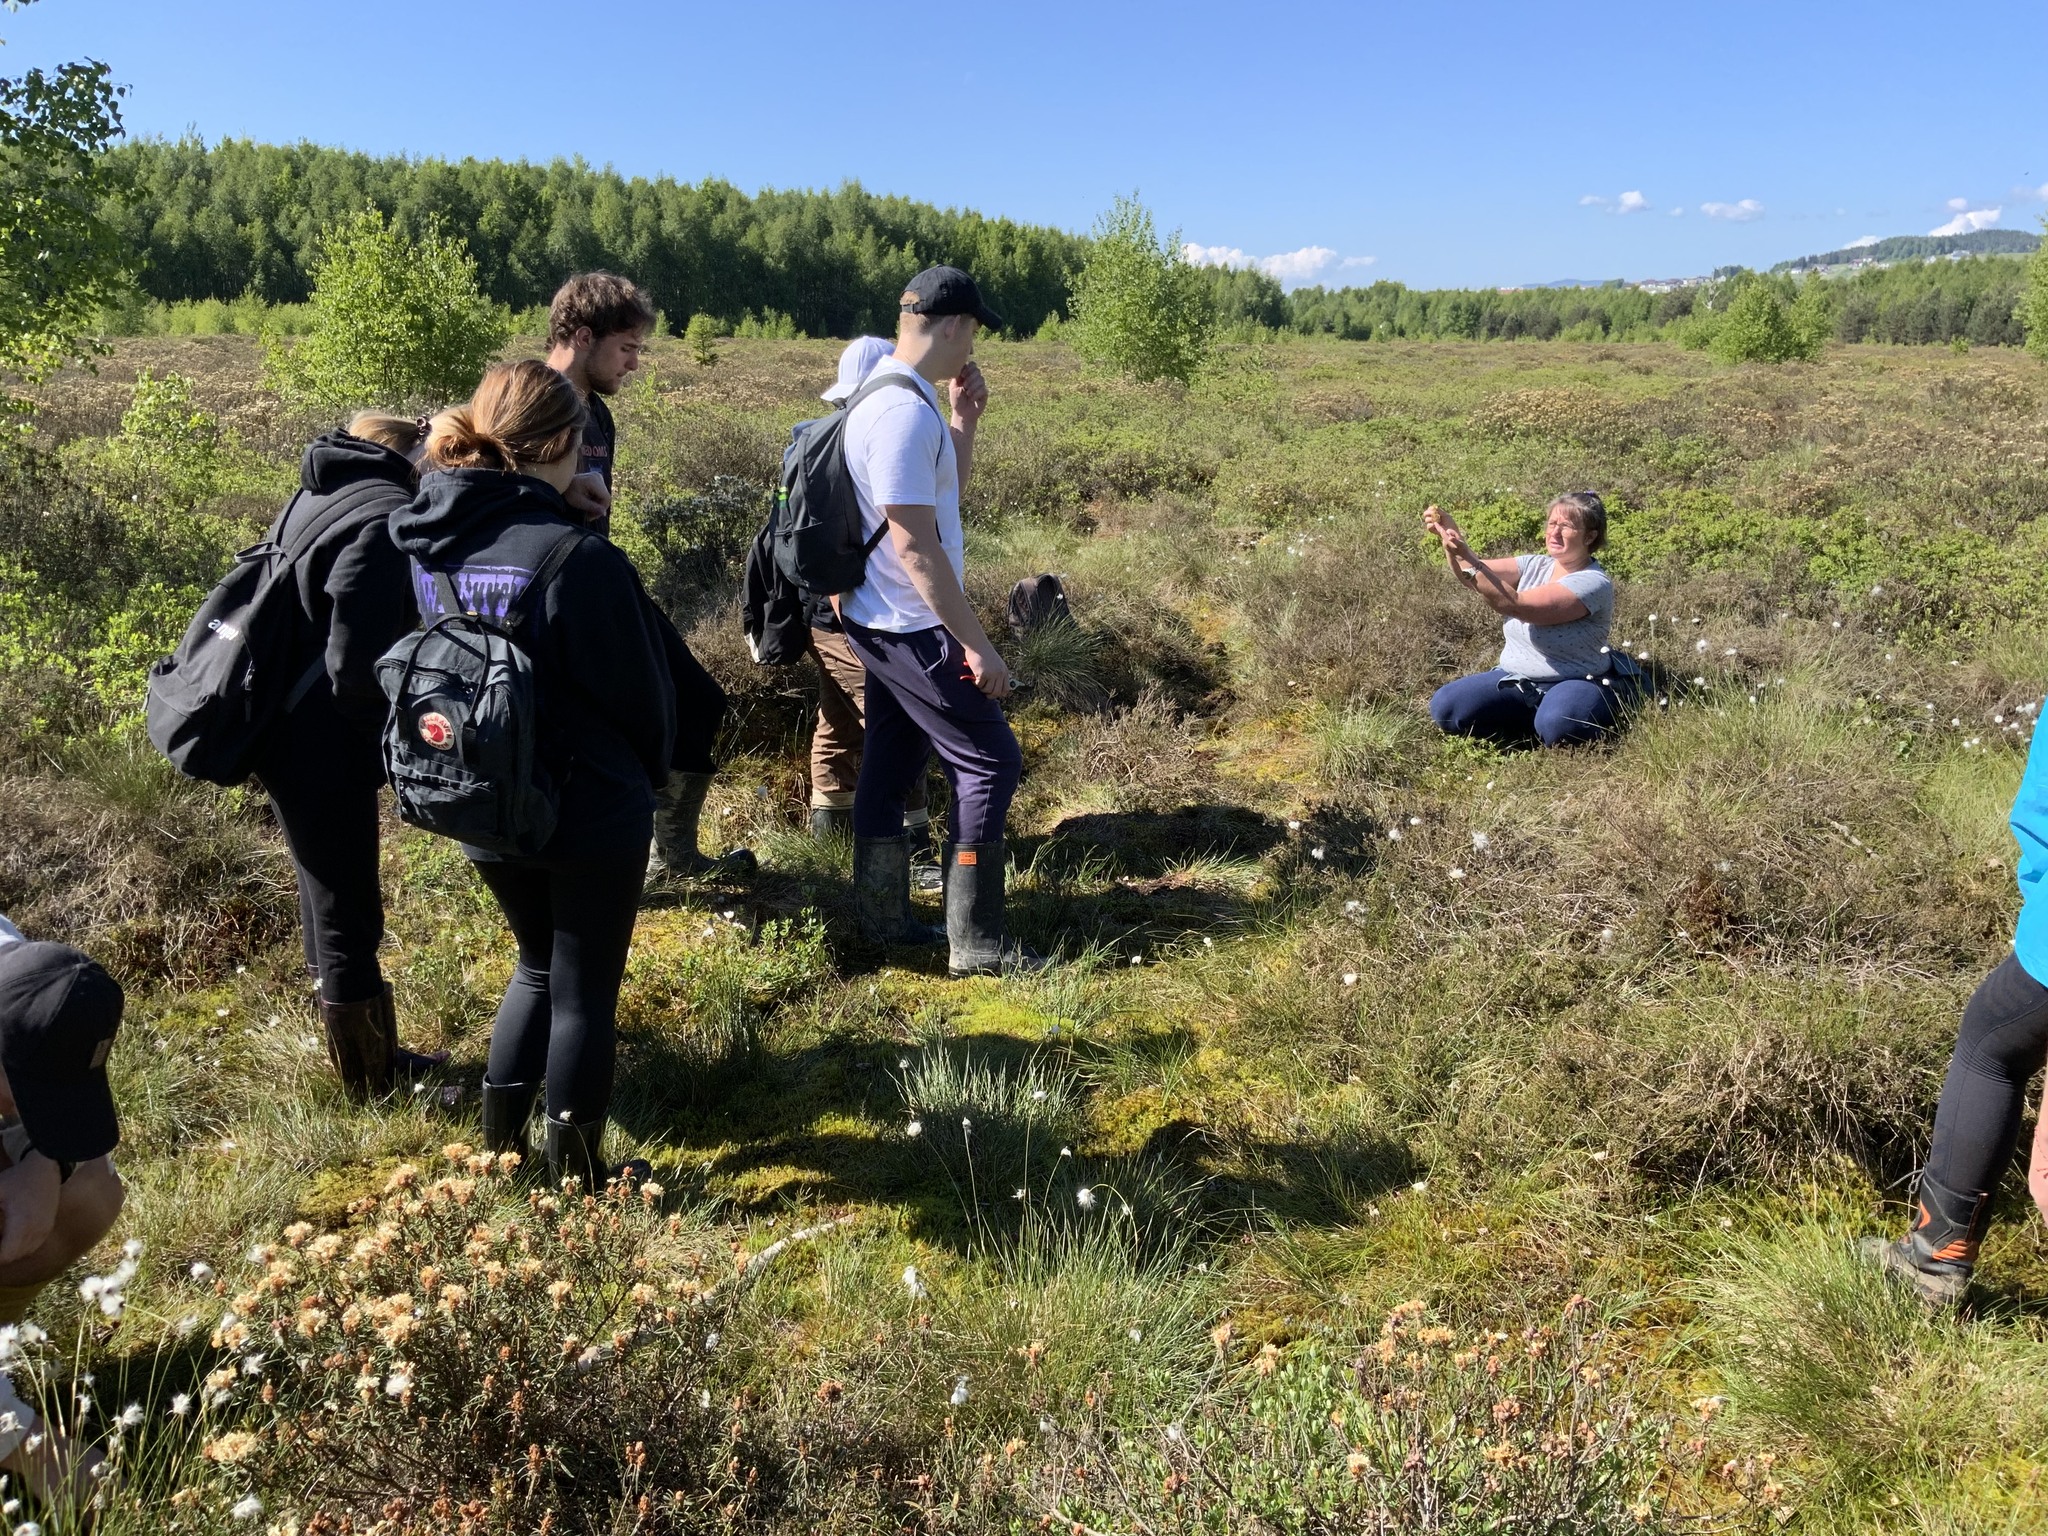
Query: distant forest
point(236, 218)
point(1974, 300)
point(1978, 242)
point(240, 220)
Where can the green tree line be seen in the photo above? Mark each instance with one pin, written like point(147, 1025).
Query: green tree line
point(216, 222)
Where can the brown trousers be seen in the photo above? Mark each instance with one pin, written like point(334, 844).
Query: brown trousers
point(842, 713)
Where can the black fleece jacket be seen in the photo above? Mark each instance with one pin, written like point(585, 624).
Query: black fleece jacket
point(607, 703)
point(353, 584)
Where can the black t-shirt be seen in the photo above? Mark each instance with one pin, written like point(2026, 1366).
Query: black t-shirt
point(600, 435)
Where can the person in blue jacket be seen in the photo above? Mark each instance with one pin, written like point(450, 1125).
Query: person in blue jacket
point(2002, 1044)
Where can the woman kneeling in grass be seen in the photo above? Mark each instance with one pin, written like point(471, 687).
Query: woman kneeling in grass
point(2002, 1043)
point(1557, 680)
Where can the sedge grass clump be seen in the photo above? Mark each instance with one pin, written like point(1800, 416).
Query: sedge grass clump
point(1426, 1429)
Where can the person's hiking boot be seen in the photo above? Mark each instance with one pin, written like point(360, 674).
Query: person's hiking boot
point(678, 808)
point(1937, 1255)
point(358, 1045)
point(976, 912)
point(508, 1108)
point(881, 893)
point(831, 821)
point(575, 1150)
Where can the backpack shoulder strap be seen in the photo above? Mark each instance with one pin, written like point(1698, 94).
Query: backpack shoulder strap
point(878, 381)
point(332, 516)
point(528, 600)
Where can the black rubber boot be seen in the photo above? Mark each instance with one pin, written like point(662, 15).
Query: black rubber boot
point(831, 821)
point(358, 1044)
point(976, 914)
point(1937, 1255)
point(881, 892)
point(507, 1109)
point(575, 1150)
point(679, 807)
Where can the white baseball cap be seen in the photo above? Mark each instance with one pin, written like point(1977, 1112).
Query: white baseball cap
point(855, 364)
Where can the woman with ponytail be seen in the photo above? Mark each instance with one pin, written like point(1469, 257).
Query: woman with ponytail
point(319, 761)
point(489, 512)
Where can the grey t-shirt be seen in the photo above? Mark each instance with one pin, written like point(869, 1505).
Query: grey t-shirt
point(1546, 651)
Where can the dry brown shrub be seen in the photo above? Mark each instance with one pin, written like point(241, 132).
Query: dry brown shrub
point(147, 873)
point(1334, 405)
point(1148, 757)
point(1335, 628)
point(1573, 413)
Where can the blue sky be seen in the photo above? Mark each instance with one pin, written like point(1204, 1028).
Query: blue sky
point(1445, 144)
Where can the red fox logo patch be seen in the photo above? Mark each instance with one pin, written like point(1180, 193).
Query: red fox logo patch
point(437, 731)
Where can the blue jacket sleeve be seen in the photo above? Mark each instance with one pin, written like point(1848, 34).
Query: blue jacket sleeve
point(2030, 829)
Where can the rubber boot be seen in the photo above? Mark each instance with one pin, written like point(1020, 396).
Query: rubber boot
point(408, 1064)
point(507, 1109)
point(976, 913)
point(359, 1045)
point(831, 821)
point(881, 891)
point(1938, 1254)
point(575, 1150)
point(679, 806)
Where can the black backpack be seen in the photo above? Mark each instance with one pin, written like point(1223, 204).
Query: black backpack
point(211, 700)
point(774, 610)
point(814, 528)
point(461, 741)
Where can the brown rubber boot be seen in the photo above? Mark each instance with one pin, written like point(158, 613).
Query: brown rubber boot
point(359, 1043)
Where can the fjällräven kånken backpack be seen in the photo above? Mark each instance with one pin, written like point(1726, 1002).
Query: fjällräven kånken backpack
point(460, 744)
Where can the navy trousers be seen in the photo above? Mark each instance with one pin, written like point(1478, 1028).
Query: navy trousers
point(1488, 705)
point(921, 699)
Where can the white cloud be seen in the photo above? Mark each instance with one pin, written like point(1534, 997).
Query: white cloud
point(1861, 241)
point(1297, 266)
point(1958, 204)
point(1967, 220)
point(1740, 213)
point(1678, 213)
point(1593, 200)
point(1288, 268)
point(1632, 202)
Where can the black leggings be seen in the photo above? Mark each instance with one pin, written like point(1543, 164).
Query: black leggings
point(559, 1019)
point(2003, 1043)
point(323, 782)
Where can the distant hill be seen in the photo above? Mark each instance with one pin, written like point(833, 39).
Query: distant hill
point(1982, 242)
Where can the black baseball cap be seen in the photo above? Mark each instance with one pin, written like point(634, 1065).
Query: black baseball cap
point(948, 291)
point(59, 1013)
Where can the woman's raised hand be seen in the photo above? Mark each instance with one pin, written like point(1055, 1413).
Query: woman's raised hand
point(1444, 526)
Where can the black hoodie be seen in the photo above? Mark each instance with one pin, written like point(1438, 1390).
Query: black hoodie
point(607, 704)
point(353, 585)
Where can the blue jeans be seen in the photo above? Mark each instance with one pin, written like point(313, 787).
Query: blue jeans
point(1497, 708)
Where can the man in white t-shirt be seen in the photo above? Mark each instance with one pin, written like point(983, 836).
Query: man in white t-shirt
point(933, 677)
